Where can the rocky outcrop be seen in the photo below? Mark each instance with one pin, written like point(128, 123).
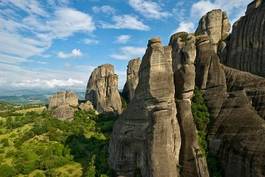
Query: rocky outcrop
point(245, 48)
point(62, 98)
point(192, 161)
point(216, 25)
point(102, 90)
point(210, 76)
point(132, 79)
point(238, 138)
point(63, 105)
point(87, 106)
point(147, 135)
point(252, 84)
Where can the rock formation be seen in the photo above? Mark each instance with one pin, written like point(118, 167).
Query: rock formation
point(102, 90)
point(62, 98)
point(63, 105)
point(192, 160)
point(245, 48)
point(157, 133)
point(147, 135)
point(87, 106)
point(132, 79)
point(216, 25)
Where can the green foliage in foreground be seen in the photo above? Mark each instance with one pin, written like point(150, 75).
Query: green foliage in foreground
point(202, 120)
point(37, 145)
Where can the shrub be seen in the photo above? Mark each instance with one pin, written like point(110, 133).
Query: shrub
point(7, 171)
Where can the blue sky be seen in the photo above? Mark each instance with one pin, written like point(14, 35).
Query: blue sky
point(57, 43)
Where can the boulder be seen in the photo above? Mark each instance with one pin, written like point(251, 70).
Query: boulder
point(102, 90)
point(132, 79)
point(147, 136)
point(87, 106)
point(64, 112)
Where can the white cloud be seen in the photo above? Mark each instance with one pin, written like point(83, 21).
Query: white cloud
point(123, 39)
point(129, 52)
point(73, 54)
point(104, 9)
point(185, 27)
point(17, 77)
point(35, 33)
point(234, 8)
point(29, 6)
point(68, 21)
point(126, 22)
point(90, 41)
point(149, 9)
point(53, 83)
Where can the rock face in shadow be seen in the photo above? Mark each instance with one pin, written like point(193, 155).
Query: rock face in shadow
point(238, 137)
point(210, 76)
point(216, 25)
point(132, 79)
point(245, 49)
point(102, 90)
point(192, 161)
point(252, 84)
point(147, 135)
point(63, 105)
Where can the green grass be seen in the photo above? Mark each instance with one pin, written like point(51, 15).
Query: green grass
point(34, 144)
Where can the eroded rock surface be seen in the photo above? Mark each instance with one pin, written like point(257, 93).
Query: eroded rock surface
point(192, 161)
point(147, 135)
point(238, 138)
point(102, 90)
point(63, 105)
point(210, 76)
point(245, 49)
point(132, 79)
point(62, 98)
point(87, 106)
point(216, 25)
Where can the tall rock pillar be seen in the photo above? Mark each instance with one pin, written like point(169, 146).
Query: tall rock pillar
point(147, 135)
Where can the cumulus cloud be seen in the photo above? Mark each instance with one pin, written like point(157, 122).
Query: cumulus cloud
point(73, 54)
point(185, 26)
point(148, 9)
point(104, 9)
point(32, 34)
point(126, 22)
point(74, 76)
point(129, 52)
point(234, 9)
point(123, 39)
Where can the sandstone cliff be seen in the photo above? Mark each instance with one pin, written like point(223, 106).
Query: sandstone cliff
point(132, 79)
point(63, 105)
point(147, 135)
point(157, 133)
point(245, 47)
point(102, 90)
